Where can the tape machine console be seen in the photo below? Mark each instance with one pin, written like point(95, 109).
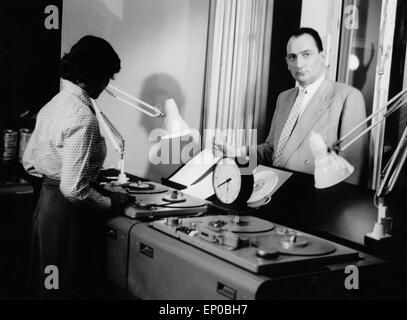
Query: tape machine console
point(254, 244)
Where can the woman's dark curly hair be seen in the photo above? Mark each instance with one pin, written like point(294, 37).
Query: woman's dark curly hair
point(89, 60)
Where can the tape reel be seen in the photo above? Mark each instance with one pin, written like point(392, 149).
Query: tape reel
point(239, 224)
point(294, 244)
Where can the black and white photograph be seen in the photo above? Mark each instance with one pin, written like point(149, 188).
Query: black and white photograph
point(203, 155)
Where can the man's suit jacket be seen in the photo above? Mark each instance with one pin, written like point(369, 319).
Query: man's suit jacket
point(334, 110)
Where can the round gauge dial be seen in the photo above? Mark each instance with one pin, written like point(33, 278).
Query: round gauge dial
point(229, 184)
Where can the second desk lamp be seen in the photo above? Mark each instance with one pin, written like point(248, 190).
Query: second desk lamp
point(174, 125)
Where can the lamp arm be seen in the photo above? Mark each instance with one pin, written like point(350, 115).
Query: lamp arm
point(336, 145)
point(390, 175)
point(156, 112)
point(395, 107)
point(109, 128)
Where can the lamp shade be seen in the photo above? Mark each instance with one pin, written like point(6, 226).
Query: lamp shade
point(330, 168)
point(173, 124)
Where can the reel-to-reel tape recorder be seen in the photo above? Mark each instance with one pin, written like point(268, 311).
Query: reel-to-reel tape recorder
point(252, 243)
point(191, 252)
point(152, 199)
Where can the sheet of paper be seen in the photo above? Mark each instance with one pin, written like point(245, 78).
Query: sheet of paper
point(203, 189)
point(198, 168)
point(195, 168)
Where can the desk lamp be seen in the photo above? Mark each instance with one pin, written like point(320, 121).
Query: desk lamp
point(173, 124)
point(330, 168)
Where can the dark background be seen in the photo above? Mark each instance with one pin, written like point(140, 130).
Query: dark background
point(29, 60)
point(29, 68)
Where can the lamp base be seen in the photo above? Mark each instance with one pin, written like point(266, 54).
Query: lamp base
point(381, 244)
point(122, 179)
point(379, 232)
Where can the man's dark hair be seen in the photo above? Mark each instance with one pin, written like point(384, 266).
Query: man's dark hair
point(89, 60)
point(313, 33)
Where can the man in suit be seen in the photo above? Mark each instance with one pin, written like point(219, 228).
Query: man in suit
point(316, 104)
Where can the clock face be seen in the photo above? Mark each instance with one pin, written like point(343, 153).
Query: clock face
point(228, 182)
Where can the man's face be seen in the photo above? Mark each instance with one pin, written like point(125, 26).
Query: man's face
point(304, 61)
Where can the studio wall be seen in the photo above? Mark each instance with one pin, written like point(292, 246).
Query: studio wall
point(162, 46)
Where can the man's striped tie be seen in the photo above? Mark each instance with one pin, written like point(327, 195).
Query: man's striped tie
point(289, 125)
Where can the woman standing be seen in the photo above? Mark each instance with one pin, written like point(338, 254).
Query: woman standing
point(67, 150)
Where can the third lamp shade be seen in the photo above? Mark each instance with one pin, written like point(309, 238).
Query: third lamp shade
point(330, 168)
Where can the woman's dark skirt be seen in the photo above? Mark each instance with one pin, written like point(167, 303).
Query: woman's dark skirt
point(71, 239)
